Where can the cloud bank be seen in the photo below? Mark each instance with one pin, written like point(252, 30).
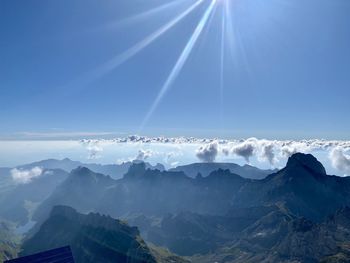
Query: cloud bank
point(340, 160)
point(22, 176)
point(288, 145)
point(94, 148)
point(143, 155)
point(210, 150)
point(245, 149)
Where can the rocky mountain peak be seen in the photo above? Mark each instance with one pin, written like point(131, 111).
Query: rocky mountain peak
point(306, 161)
point(136, 169)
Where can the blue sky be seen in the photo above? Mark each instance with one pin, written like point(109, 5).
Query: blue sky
point(286, 69)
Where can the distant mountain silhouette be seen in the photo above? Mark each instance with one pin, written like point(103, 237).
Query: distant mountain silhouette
point(147, 191)
point(302, 187)
point(246, 171)
point(116, 171)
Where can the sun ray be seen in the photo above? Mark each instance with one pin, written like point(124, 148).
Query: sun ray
point(229, 29)
point(180, 62)
point(236, 46)
point(142, 16)
point(222, 62)
point(131, 52)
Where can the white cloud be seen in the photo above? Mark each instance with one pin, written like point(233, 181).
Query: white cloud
point(26, 176)
point(174, 164)
point(245, 149)
point(297, 144)
point(225, 151)
point(211, 149)
point(288, 148)
point(208, 152)
point(267, 152)
point(143, 155)
point(287, 151)
point(170, 156)
point(340, 160)
point(94, 148)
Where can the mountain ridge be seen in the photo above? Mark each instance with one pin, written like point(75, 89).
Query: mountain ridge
point(303, 189)
point(246, 171)
point(116, 171)
point(222, 210)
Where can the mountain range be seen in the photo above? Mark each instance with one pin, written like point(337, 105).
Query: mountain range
point(116, 171)
point(296, 214)
point(204, 169)
point(146, 191)
point(18, 200)
point(302, 187)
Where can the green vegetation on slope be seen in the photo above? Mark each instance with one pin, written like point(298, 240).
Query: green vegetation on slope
point(9, 241)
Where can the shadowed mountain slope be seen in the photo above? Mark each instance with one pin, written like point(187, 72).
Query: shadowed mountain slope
point(92, 237)
point(280, 237)
point(82, 190)
point(302, 187)
point(151, 192)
